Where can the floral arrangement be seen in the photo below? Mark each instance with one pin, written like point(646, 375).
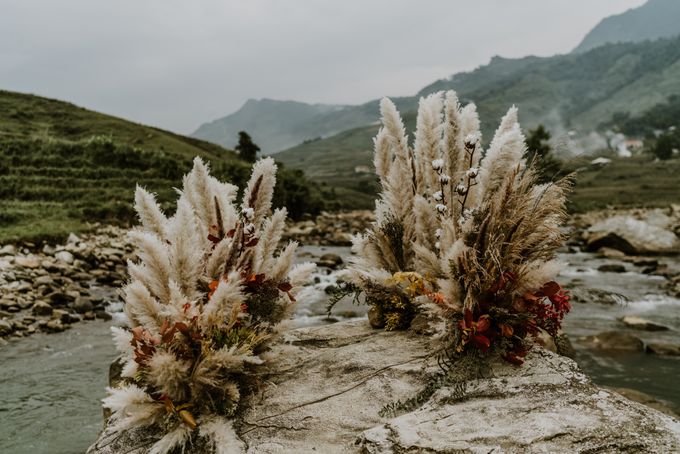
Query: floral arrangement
point(470, 232)
point(204, 301)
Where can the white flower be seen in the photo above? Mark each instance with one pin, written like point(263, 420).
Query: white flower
point(438, 245)
point(438, 233)
point(437, 164)
point(444, 179)
point(438, 196)
point(471, 139)
point(461, 189)
point(440, 207)
point(249, 229)
point(472, 172)
point(249, 213)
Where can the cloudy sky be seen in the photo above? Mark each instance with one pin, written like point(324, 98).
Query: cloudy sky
point(178, 63)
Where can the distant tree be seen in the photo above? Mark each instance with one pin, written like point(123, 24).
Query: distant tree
point(246, 148)
point(665, 144)
point(540, 151)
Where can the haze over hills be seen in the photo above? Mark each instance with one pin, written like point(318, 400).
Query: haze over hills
point(580, 90)
point(655, 19)
point(575, 91)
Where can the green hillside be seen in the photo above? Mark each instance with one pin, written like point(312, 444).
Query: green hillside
point(653, 20)
point(63, 167)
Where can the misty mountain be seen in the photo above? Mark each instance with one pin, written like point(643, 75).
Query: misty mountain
point(653, 20)
point(580, 91)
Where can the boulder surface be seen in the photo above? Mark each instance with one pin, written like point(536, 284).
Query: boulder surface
point(326, 385)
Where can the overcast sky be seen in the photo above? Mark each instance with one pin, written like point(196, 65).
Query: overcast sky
point(179, 63)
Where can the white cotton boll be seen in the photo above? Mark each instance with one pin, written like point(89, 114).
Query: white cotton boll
point(248, 213)
point(444, 179)
point(438, 196)
point(149, 212)
point(472, 172)
point(461, 189)
point(438, 233)
point(440, 208)
point(471, 139)
point(437, 164)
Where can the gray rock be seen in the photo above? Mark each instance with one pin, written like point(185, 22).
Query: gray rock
point(29, 262)
point(42, 308)
point(328, 384)
point(612, 268)
point(645, 399)
point(6, 328)
point(82, 305)
point(330, 261)
point(8, 249)
point(663, 349)
point(55, 326)
point(65, 257)
point(44, 280)
point(642, 324)
point(613, 340)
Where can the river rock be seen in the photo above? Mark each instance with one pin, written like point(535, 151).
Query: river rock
point(27, 261)
point(65, 257)
point(8, 249)
point(42, 308)
point(645, 399)
point(613, 340)
point(327, 385)
point(663, 349)
point(55, 326)
point(610, 253)
point(634, 322)
point(6, 328)
point(330, 261)
point(612, 268)
point(82, 305)
point(632, 236)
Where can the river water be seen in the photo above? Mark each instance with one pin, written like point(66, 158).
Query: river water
point(51, 385)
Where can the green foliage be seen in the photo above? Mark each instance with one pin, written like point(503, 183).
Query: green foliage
point(660, 117)
point(246, 149)
point(666, 144)
point(626, 182)
point(540, 152)
point(63, 168)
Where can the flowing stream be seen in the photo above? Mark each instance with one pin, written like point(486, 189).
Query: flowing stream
point(51, 384)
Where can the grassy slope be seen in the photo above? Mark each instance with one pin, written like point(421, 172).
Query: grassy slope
point(634, 182)
point(62, 167)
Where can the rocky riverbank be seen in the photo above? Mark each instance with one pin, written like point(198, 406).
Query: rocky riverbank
point(49, 288)
point(326, 386)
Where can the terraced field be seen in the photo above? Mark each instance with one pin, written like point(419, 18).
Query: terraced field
point(64, 168)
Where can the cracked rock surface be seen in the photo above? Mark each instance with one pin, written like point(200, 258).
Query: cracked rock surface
point(325, 386)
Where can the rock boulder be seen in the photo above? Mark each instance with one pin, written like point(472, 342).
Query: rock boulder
point(326, 385)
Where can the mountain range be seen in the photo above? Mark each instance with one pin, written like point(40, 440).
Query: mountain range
point(614, 69)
